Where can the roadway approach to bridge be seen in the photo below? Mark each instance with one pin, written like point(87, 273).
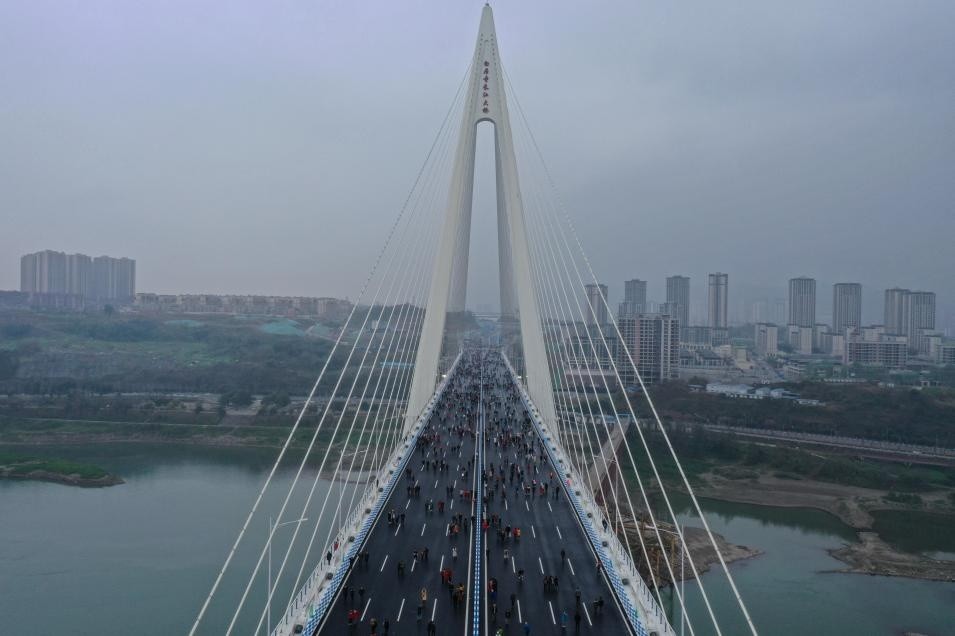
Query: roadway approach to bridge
point(450, 552)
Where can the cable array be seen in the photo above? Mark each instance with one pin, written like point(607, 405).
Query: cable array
point(587, 359)
point(361, 394)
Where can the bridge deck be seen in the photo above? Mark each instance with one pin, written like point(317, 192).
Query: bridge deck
point(387, 581)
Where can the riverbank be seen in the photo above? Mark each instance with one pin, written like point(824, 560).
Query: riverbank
point(851, 505)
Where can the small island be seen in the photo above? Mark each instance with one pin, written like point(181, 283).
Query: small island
point(60, 471)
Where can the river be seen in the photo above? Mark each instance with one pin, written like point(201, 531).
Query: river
point(142, 555)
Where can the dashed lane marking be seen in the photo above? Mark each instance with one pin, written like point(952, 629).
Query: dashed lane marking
point(552, 618)
point(434, 608)
point(533, 531)
point(364, 611)
point(441, 565)
point(559, 535)
point(527, 505)
point(571, 567)
point(549, 507)
point(397, 529)
point(520, 619)
point(383, 564)
point(402, 606)
point(407, 504)
point(541, 563)
point(513, 566)
point(587, 614)
point(422, 529)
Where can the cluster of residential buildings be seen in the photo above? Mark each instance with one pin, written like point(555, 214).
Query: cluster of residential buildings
point(663, 345)
point(57, 279)
point(287, 306)
point(907, 331)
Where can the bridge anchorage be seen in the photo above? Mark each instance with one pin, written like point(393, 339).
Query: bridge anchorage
point(465, 475)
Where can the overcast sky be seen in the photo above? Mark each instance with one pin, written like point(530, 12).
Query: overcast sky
point(252, 146)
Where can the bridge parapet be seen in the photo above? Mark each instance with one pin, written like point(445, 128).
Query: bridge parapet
point(639, 606)
point(312, 601)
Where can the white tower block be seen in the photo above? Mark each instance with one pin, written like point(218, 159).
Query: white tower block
point(485, 102)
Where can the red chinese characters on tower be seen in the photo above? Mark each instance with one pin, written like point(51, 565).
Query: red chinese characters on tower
point(487, 65)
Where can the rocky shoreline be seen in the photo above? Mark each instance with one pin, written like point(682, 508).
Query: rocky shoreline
point(851, 505)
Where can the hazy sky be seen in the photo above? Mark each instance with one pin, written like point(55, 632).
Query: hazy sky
point(252, 146)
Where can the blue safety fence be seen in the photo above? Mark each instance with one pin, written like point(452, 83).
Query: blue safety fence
point(616, 583)
point(328, 594)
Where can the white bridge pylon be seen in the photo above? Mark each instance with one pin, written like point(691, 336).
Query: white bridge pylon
point(485, 101)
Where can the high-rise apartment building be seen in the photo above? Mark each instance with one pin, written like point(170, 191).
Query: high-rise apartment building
point(653, 341)
point(846, 307)
point(102, 278)
point(718, 300)
point(43, 273)
point(918, 316)
point(597, 301)
point(767, 339)
point(634, 298)
point(802, 302)
point(894, 310)
point(678, 298)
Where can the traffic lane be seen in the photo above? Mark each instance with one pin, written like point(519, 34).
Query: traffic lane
point(548, 526)
point(386, 595)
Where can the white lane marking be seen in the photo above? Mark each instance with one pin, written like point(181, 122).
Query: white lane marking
point(435, 608)
point(422, 529)
point(559, 534)
point(455, 484)
point(549, 507)
point(527, 505)
point(541, 564)
point(505, 504)
point(402, 606)
point(367, 603)
point(447, 529)
point(551, 605)
point(435, 483)
point(513, 567)
point(520, 619)
point(587, 614)
point(383, 564)
point(441, 565)
point(533, 531)
point(407, 504)
point(571, 567)
point(397, 529)
point(414, 562)
point(452, 504)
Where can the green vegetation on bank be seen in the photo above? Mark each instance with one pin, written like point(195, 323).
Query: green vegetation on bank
point(22, 466)
point(700, 452)
point(906, 415)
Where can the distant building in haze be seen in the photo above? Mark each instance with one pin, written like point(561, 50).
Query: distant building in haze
point(846, 306)
point(597, 301)
point(678, 299)
point(102, 279)
point(802, 302)
point(918, 319)
point(718, 300)
point(634, 298)
point(894, 312)
point(767, 339)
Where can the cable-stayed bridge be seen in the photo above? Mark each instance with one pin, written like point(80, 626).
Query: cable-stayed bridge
point(468, 476)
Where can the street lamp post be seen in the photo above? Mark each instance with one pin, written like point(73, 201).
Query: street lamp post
point(268, 588)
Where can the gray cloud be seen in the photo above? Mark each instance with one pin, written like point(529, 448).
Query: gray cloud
point(229, 149)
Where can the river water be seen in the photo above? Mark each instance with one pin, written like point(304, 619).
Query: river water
point(140, 557)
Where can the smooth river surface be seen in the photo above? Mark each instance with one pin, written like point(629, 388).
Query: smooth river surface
point(139, 558)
